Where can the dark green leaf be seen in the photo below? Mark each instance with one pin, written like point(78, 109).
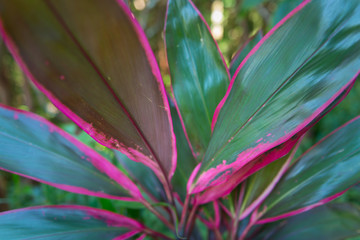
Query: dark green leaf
point(185, 159)
point(198, 72)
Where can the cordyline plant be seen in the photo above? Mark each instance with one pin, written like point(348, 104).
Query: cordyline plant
point(219, 154)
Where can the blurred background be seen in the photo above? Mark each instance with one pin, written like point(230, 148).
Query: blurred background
point(232, 23)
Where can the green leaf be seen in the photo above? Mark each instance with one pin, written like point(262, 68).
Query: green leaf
point(330, 222)
point(95, 64)
point(35, 148)
point(320, 174)
point(66, 222)
point(295, 75)
point(185, 159)
point(198, 72)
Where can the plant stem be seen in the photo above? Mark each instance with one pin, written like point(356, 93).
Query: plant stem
point(191, 220)
point(184, 212)
point(235, 220)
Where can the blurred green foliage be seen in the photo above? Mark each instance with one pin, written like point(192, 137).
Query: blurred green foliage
point(241, 20)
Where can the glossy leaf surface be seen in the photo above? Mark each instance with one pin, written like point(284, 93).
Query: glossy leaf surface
point(198, 72)
point(94, 63)
point(320, 174)
point(33, 147)
point(243, 52)
point(66, 222)
point(286, 83)
point(331, 222)
point(264, 159)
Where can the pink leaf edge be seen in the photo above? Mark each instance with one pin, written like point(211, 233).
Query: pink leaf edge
point(156, 71)
point(257, 46)
point(225, 184)
point(95, 158)
point(171, 88)
point(87, 127)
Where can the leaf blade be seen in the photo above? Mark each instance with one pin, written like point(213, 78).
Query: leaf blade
point(268, 157)
point(35, 148)
point(197, 68)
point(94, 75)
point(276, 118)
point(70, 222)
point(332, 221)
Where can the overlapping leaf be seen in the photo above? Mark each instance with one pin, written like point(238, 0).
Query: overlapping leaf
point(198, 72)
point(33, 147)
point(66, 222)
point(93, 61)
point(324, 172)
point(295, 74)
